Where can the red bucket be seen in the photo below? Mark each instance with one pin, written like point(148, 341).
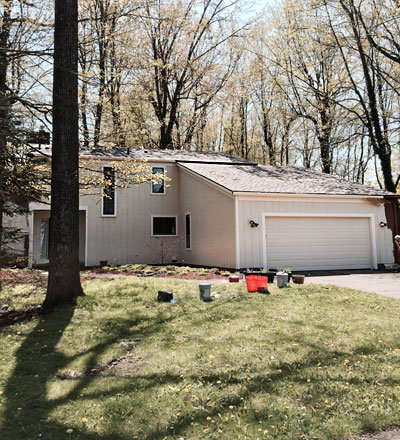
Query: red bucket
point(252, 283)
point(262, 282)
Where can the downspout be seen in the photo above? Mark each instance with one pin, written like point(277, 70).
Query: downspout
point(31, 220)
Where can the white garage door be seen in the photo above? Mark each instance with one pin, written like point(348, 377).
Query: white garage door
point(324, 243)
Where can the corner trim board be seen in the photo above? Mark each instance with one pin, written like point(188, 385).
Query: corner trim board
point(237, 233)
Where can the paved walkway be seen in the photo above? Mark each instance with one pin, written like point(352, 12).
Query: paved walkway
point(385, 284)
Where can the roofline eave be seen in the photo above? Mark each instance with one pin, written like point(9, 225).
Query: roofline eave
point(252, 194)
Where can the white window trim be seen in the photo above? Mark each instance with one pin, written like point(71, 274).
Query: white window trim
point(166, 216)
point(115, 198)
point(151, 183)
point(190, 222)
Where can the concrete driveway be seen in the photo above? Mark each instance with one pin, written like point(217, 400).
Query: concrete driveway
point(385, 284)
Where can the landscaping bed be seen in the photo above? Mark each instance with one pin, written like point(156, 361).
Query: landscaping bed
point(14, 277)
point(306, 362)
point(169, 271)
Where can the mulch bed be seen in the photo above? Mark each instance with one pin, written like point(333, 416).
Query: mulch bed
point(10, 277)
point(192, 275)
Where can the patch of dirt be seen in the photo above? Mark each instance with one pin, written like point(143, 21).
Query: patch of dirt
point(124, 366)
point(11, 317)
point(389, 434)
point(14, 277)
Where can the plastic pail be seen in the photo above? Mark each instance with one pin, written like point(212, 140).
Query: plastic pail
point(252, 283)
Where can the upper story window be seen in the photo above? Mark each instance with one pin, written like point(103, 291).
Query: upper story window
point(158, 187)
point(109, 199)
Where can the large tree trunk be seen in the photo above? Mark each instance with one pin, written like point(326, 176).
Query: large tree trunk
point(4, 36)
point(64, 280)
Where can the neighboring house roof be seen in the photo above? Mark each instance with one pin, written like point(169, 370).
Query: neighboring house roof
point(163, 155)
point(279, 180)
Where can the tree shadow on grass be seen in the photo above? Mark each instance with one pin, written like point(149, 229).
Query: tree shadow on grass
point(28, 408)
point(28, 413)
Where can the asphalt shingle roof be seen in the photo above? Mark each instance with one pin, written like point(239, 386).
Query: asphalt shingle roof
point(280, 180)
point(240, 175)
point(163, 155)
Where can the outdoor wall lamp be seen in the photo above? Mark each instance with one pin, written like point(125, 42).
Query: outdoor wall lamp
point(253, 224)
point(382, 224)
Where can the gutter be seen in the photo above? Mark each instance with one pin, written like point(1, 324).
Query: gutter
point(265, 194)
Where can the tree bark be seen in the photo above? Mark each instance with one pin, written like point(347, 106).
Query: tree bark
point(324, 137)
point(4, 37)
point(64, 278)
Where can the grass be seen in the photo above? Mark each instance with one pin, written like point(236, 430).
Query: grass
point(307, 362)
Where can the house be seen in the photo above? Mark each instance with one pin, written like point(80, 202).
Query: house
point(219, 210)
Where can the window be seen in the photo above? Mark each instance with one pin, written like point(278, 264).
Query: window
point(163, 225)
point(188, 225)
point(44, 239)
point(158, 188)
point(109, 192)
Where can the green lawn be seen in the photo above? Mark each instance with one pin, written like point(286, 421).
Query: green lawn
point(307, 362)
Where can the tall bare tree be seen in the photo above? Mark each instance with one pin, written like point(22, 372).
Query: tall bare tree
point(184, 42)
point(350, 39)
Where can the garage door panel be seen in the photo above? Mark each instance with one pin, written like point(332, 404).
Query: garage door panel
point(325, 243)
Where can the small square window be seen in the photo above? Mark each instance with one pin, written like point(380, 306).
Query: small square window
point(158, 187)
point(164, 226)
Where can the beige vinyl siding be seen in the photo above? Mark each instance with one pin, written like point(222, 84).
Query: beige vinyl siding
point(20, 222)
point(251, 240)
point(212, 222)
point(126, 238)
